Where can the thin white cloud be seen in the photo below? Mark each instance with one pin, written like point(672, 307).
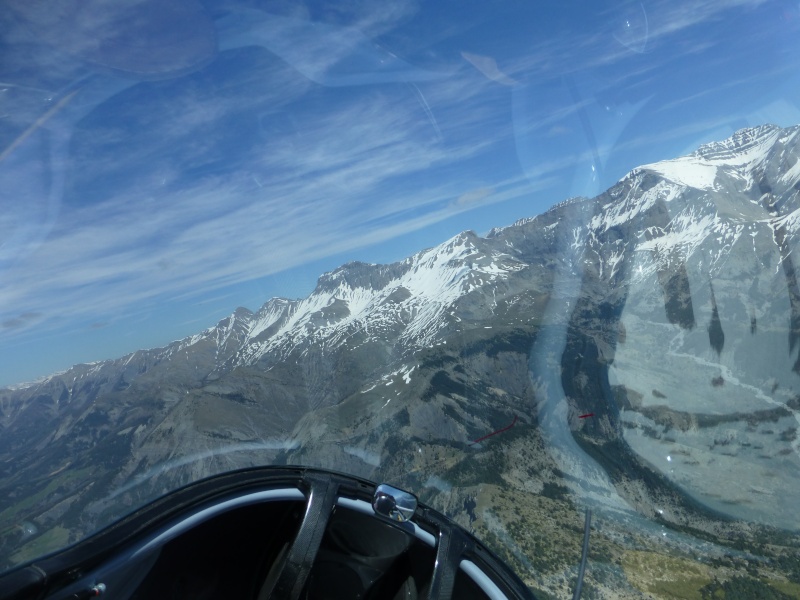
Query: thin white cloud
point(363, 170)
point(473, 196)
point(487, 66)
point(96, 271)
point(670, 31)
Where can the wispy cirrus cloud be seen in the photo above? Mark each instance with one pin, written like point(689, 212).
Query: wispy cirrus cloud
point(657, 31)
point(332, 172)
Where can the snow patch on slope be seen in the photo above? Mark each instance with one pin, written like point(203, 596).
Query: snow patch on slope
point(413, 305)
point(747, 148)
point(687, 171)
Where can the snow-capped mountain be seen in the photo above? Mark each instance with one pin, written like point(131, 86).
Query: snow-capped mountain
point(680, 310)
point(740, 186)
point(410, 301)
point(742, 157)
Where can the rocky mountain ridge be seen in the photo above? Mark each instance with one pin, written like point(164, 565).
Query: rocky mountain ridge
point(412, 296)
point(672, 295)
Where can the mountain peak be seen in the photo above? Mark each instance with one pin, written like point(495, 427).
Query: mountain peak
point(742, 153)
point(740, 142)
point(359, 274)
point(242, 313)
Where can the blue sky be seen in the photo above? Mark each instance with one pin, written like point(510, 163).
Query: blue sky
point(144, 211)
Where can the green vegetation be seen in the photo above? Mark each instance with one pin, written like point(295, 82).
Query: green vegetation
point(30, 501)
point(516, 340)
point(787, 587)
point(49, 541)
point(789, 565)
point(436, 360)
point(666, 576)
point(402, 418)
point(442, 384)
point(478, 469)
point(555, 491)
point(743, 588)
point(541, 550)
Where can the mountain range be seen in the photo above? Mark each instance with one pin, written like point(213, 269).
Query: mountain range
point(643, 344)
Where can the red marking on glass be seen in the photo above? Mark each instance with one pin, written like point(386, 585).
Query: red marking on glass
point(488, 435)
